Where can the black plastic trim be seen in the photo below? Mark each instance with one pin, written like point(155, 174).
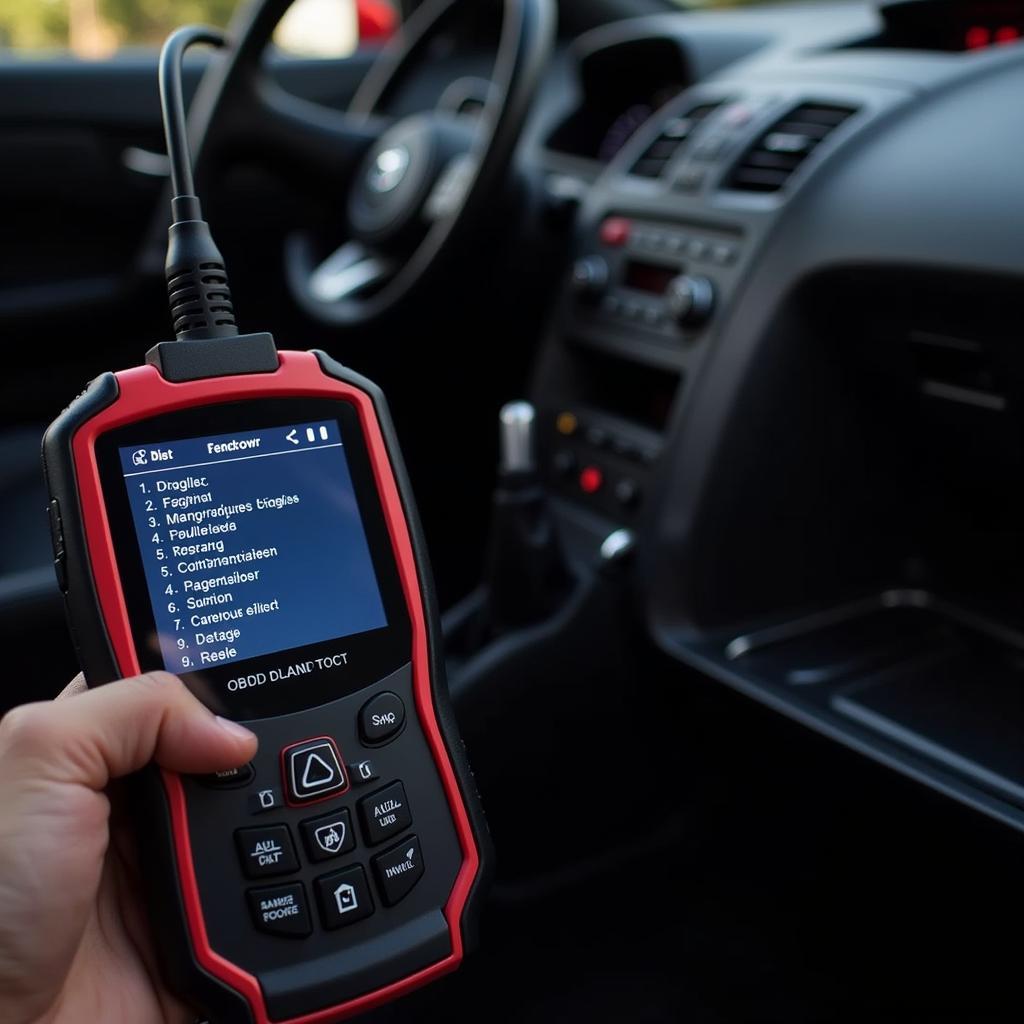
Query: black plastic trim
point(85, 621)
point(199, 359)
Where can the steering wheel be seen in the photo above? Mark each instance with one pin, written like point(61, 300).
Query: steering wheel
point(415, 185)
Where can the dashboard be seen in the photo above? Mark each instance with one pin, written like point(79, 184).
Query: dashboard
point(785, 358)
point(622, 86)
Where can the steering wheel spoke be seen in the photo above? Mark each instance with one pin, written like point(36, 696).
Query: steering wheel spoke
point(333, 142)
point(348, 272)
point(448, 195)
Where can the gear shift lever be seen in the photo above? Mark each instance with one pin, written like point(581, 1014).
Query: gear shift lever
point(526, 574)
point(516, 421)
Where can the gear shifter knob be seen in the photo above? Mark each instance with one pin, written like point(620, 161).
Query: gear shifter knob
point(526, 572)
point(516, 421)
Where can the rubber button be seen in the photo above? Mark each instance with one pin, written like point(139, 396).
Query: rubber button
point(282, 910)
point(328, 836)
point(266, 851)
point(398, 870)
point(233, 778)
point(344, 897)
point(385, 813)
point(312, 769)
point(381, 718)
point(60, 556)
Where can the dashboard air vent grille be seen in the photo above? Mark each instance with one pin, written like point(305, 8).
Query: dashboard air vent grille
point(674, 132)
point(772, 160)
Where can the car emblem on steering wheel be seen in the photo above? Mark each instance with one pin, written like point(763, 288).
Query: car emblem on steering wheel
point(388, 169)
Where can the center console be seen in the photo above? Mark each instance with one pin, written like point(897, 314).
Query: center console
point(663, 243)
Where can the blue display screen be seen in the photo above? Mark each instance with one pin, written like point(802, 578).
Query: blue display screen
point(252, 543)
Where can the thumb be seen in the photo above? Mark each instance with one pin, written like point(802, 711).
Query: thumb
point(90, 738)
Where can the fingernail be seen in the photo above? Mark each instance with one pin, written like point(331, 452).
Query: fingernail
point(239, 732)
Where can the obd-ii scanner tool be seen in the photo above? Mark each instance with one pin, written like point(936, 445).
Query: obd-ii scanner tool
point(240, 516)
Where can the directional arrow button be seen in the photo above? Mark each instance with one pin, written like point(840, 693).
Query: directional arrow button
point(312, 769)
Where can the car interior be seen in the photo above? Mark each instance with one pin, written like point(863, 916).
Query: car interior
point(743, 687)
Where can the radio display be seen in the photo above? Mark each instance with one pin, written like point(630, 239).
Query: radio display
point(648, 277)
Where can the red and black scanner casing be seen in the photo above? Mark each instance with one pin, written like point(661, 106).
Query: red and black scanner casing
point(209, 951)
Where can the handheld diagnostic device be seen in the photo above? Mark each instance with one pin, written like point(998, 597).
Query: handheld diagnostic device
point(240, 516)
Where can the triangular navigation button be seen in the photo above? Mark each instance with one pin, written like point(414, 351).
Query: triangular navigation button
point(317, 772)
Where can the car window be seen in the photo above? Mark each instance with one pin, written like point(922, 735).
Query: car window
point(100, 29)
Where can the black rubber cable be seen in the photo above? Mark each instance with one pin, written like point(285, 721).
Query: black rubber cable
point(197, 279)
point(172, 101)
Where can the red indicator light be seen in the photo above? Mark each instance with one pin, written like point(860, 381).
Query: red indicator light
point(977, 37)
point(615, 231)
point(591, 480)
point(1007, 34)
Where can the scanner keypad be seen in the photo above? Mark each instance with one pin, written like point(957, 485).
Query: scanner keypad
point(312, 771)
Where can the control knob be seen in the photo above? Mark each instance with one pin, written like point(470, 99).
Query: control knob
point(690, 299)
point(590, 276)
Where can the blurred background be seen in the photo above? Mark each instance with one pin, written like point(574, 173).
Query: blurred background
point(97, 29)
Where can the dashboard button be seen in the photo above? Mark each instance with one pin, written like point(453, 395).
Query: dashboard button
point(344, 897)
point(312, 769)
point(266, 851)
point(698, 249)
point(381, 718)
point(564, 463)
point(398, 870)
point(624, 448)
point(281, 910)
point(566, 423)
point(615, 232)
point(627, 493)
point(385, 813)
point(591, 479)
point(723, 254)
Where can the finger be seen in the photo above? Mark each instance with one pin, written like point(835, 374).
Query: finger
point(90, 738)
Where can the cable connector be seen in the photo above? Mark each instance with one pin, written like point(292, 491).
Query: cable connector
point(197, 279)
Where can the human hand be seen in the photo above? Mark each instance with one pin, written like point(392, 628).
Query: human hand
point(74, 941)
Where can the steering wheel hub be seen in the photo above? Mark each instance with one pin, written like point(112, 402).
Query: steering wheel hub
point(386, 205)
point(388, 170)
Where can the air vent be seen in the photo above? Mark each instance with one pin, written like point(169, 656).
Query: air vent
point(776, 155)
point(674, 132)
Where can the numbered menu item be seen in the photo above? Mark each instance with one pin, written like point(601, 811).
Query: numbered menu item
point(252, 543)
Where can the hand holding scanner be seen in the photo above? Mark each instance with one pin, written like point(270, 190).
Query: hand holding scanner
point(241, 517)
